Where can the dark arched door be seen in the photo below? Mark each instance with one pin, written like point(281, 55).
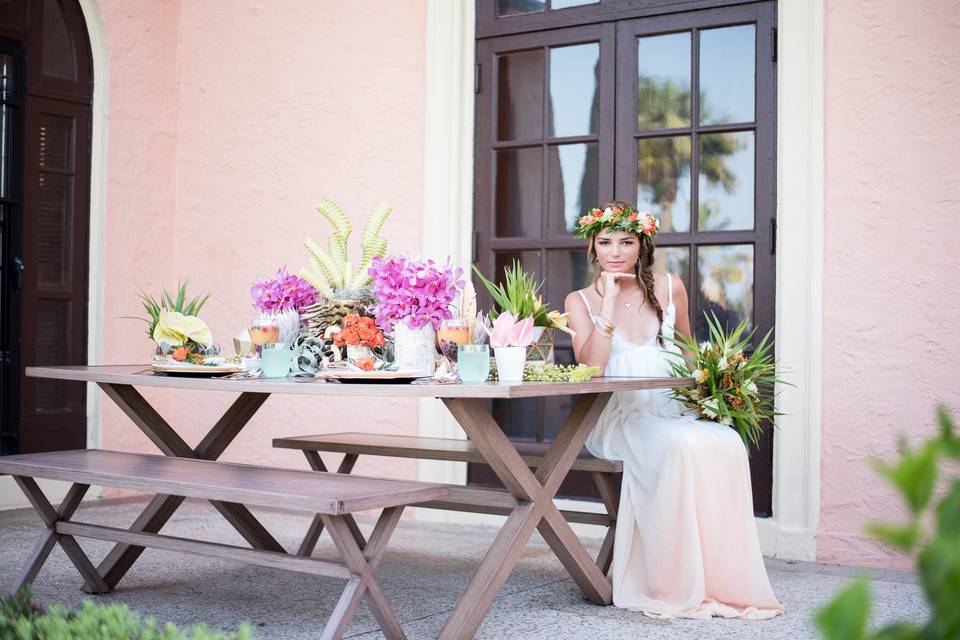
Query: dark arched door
point(46, 92)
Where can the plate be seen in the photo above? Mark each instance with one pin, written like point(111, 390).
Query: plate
point(196, 369)
point(372, 376)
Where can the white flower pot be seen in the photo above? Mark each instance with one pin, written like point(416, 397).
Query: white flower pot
point(415, 349)
point(510, 361)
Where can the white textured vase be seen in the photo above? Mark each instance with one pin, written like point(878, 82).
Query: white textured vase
point(415, 349)
point(510, 362)
point(289, 323)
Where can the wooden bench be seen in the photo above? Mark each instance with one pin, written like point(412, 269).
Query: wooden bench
point(354, 444)
point(333, 497)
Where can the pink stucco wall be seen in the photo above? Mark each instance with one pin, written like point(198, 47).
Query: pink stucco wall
point(891, 299)
point(227, 122)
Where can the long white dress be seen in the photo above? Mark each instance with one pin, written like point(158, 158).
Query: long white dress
point(686, 543)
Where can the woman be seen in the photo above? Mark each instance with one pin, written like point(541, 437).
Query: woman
point(686, 543)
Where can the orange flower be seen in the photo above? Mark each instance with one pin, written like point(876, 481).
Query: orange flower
point(180, 354)
point(364, 363)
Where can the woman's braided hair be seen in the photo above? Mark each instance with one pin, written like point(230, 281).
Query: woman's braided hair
point(643, 269)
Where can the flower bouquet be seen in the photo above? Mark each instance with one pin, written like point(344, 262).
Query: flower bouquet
point(732, 388)
point(413, 297)
point(361, 336)
point(282, 299)
point(520, 295)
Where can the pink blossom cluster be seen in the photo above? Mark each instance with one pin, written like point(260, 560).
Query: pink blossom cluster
point(415, 291)
point(285, 291)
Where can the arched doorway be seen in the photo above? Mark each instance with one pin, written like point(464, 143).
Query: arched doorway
point(46, 92)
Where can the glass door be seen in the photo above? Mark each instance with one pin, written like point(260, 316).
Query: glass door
point(695, 145)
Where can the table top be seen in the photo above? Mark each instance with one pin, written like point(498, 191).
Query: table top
point(141, 376)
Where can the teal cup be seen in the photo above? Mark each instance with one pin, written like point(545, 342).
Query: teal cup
point(276, 360)
point(473, 363)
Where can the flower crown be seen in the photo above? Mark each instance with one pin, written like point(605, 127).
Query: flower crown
point(616, 219)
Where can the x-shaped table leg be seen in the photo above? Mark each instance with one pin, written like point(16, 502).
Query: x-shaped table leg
point(93, 581)
point(116, 564)
point(535, 509)
point(363, 563)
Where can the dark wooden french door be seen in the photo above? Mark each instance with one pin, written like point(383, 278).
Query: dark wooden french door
point(45, 118)
point(675, 112)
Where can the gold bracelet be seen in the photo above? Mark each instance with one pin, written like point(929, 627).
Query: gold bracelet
point(604, 327)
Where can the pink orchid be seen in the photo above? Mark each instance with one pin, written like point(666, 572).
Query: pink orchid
point(507, 331)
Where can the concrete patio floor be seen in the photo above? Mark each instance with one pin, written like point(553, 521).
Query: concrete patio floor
point(425, 569)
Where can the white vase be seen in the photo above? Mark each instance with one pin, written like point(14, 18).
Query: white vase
point(289, 323)
point(510, 361)
point(415, 349)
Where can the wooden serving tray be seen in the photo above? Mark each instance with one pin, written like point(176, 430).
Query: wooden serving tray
point(196, 369)
point(371, 376)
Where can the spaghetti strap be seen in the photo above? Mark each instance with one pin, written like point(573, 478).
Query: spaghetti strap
point(669, 289)
point(584, 298)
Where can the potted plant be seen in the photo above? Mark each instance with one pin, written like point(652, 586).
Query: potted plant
point(509, 338)
point(344, 285)
point(520, 295)
point(413, 297)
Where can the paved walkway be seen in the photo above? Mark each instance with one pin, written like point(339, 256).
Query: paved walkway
point(424, 571)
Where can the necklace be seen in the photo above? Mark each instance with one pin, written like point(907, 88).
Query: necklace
point(642, 301)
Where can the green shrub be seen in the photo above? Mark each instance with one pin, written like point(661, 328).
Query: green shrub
point(937, 551)
point(21, 619)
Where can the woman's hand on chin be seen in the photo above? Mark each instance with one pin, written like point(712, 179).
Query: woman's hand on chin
point(610, 283)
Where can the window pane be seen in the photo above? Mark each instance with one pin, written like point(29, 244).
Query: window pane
point(726, 181)
point(563, 4)
point(516, 7)
point(529, 260)
point(58, 57)
point(520, 95)
point(574, 90)
point(7, 88)
point(727, 62)
point(567, 271)
point(726, 285)
point(572, 184)
point(663, 81)
point(518, 196)
point(673, 260)
point(54, 202)
point(663, 180)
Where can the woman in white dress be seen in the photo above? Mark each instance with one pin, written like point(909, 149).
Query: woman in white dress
point(686, 542)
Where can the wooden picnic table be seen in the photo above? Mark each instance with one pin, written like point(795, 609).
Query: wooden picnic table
point(530, 493)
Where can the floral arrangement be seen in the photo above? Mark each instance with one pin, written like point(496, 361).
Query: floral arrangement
point(417, 292)
point(331, 272)
point(179, 304)
point(283, 292)
point(520, 296)
point(172, 323)
point(616, 219)
point(359, 331)
point(732, 388)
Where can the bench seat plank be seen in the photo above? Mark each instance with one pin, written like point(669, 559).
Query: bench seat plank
point(230, 482)
point(374, 444)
